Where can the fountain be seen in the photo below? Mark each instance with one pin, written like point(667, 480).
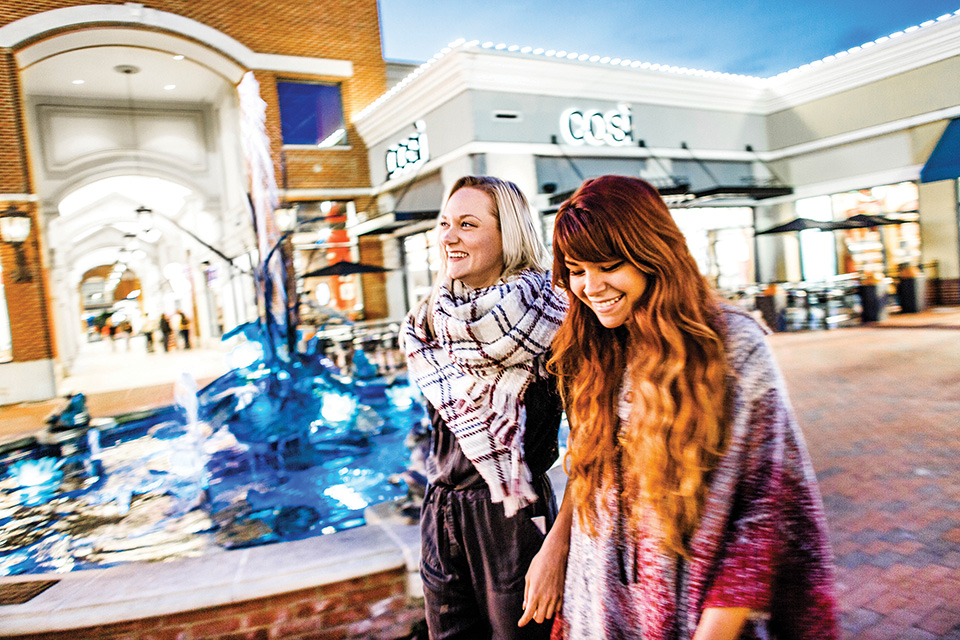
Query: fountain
point(284, 448)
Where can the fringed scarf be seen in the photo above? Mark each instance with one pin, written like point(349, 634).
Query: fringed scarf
point(485, 349)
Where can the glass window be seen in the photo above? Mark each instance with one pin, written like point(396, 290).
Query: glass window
point(884, 248)
point(818, 249)
point(311, 114)
point(423, 263)
point(721, 241)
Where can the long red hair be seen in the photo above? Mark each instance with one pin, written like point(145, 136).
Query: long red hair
point(676, 432)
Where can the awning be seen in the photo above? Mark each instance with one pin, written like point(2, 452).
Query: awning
point(944, 162)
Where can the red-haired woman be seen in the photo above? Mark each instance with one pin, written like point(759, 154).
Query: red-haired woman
point(693, 508)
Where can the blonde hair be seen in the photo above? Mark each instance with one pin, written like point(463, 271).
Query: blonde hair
point(522, 245)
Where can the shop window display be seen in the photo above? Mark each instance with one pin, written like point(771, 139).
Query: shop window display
point(721, 241)
point(883, 248)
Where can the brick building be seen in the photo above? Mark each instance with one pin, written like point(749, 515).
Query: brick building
point(112, 107)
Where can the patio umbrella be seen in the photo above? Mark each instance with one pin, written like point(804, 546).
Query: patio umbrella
point(862, 220)
point(345, 268)
point(798, 224)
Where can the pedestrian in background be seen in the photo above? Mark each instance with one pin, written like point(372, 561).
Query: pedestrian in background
point(184, 327)
point(165, 331)
point(477, 347)
point(692, 509)
point(149, 329)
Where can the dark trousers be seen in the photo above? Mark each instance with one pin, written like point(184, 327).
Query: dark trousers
point(473, 561)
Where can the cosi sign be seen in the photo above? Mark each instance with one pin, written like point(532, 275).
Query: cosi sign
point(409, 153)
point(612, 128)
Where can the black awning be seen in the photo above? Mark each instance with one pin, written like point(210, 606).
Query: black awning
point(944, 162)
point(753, 192)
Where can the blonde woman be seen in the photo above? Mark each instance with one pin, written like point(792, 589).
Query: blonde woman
point(692, 509)
point(477, 348)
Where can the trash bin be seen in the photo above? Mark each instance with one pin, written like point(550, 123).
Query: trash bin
point(873, 298)
point(912, 290)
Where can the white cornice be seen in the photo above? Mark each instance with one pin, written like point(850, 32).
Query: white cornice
point(936, 42)
point(11, 35)
point(434, 85)
point(472, 68)
point(566, 78)
point(467, 66)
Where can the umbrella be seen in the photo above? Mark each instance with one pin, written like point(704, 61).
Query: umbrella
point(864, 220)
point(345, 268)
point(798, 224)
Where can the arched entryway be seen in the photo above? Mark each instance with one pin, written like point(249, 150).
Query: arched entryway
point(136, 158)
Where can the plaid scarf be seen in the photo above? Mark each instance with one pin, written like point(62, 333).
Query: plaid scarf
point(488, 346)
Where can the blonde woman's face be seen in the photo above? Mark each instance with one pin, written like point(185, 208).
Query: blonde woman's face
point(610, 289)
point(470, 238)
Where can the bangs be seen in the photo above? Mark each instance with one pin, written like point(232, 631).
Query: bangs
point(581, 235)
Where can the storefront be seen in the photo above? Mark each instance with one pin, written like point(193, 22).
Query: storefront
point(731, 154)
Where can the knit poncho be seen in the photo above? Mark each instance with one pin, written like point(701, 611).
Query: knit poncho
point(761, 544)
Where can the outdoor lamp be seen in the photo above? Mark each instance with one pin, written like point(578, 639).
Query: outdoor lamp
point(145, 216)
point(286, 218)
point(15, 229)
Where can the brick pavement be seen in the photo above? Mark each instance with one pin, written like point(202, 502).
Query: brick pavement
point(880, 408)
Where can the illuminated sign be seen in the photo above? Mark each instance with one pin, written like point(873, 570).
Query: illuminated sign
point(613, 128)
point(408, 154)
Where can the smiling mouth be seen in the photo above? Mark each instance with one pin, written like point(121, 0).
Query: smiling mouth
point(606, 304)
point(456, 254)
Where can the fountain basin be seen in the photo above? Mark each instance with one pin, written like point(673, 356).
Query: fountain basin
point(358, 583)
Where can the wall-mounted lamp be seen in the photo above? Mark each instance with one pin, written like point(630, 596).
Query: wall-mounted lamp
point(145, 217)
point(15, 229)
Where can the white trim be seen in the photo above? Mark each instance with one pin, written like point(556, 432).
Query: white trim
point(909, 51)
point(326, 194)
point(861, 134)
point(19, 197)
point(298, 64)
point(128, 37)
point(467, 66)
point(11, 35)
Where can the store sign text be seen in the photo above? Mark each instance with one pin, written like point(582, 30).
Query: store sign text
point(612, 128)
point(409, 153)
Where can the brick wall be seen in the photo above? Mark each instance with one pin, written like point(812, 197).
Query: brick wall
point(374, 284)
point(945, 291)
point(27, 301)
point(334, 29)
point(374, 606)
point(13, 173)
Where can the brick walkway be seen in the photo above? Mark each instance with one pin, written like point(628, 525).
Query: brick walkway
point(880, 408)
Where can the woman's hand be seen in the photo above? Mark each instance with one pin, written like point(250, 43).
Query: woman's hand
point(721, 623)
point(543, 591)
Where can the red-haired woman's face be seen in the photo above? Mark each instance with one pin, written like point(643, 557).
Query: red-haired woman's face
point(470, 238)
point(610, 289)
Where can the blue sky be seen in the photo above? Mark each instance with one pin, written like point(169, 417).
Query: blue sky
point(750, 37)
